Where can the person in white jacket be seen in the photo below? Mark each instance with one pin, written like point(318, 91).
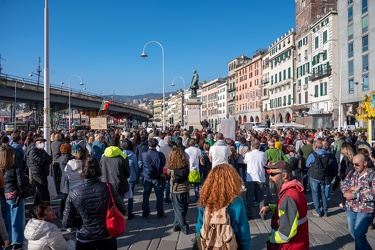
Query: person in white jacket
point(41, 233)
point(73, 168)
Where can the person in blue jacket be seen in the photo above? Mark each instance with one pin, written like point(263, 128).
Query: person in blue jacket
point(222, 188)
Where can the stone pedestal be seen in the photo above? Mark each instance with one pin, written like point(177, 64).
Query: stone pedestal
point(194, 114)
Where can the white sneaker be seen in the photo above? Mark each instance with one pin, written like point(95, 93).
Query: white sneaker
point(340, 205)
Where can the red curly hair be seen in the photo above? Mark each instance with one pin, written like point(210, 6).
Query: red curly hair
point(221, 186)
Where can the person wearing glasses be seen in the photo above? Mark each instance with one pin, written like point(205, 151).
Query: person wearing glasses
point(358, 188)
point(289, 222)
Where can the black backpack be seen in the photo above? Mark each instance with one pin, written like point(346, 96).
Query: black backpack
point(181, 175)
point(326, 161)
point(293, 162)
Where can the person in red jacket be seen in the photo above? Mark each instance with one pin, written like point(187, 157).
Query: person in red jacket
point(289, 222)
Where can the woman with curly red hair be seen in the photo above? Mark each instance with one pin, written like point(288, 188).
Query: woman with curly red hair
point(178, 165)
point(222, 188)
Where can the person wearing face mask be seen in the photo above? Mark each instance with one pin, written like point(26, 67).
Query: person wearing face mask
point(39, 162)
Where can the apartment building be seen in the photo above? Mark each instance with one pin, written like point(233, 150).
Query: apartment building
point(323, 86)
point(356, 31)
point(209, 92)
point(308, 12)
point(222, 100)
point(158, 112)
point(231, 78)
point(278, 80)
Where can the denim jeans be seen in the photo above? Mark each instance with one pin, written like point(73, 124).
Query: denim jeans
point(358, 225)
point(318, 194)
point(328, 186)
point(140, 164)
point(254, 188)
point(167, 191)
point(242, 171)
point(180, 204)
point(16, 220)
point(131, 200)
point(159, 192)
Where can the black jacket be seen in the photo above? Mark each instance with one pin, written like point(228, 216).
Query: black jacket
point(38, 161)
point(13, 179)
point(91, 202)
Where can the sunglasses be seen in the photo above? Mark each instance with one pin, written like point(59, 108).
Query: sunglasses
point(274, 174)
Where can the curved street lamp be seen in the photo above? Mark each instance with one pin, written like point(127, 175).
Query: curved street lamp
point(183, 98)
point(162, 59)
point(80, 83)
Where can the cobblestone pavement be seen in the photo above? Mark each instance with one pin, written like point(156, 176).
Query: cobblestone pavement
point(153, 233)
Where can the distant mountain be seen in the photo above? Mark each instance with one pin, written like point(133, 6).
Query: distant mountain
point(129, 99)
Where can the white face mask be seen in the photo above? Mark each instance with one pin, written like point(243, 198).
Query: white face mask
point(40, 145)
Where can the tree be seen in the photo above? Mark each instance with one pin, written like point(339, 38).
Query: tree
point(260, 52)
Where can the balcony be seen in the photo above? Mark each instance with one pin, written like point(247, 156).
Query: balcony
point(320, 74)
point(265, 80)
point(265, 97)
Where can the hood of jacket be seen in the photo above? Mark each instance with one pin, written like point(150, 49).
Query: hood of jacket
point(291, 184)
point(113, 151)
point(37, 229)
point(75, 164)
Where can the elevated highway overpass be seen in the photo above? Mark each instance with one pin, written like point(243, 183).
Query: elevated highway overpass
point(28, 91)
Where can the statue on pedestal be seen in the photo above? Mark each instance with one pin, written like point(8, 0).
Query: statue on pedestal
point(194, 85)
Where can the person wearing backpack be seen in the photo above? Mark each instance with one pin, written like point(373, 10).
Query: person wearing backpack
point(319, 164)
point(289, 222)
point(178, 171)
point(358, 188)
point(222, 217)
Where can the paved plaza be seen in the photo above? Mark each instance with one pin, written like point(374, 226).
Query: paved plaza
point(153, 234)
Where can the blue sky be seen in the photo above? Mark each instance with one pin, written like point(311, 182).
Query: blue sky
point(101, 41)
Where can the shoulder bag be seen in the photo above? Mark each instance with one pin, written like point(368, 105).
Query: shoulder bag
point(115, 220)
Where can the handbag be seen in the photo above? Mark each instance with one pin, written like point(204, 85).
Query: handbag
point(115, 220)
point(162, 177)
point(51, 186)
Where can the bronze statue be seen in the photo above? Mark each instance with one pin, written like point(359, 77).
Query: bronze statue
point(194, 85)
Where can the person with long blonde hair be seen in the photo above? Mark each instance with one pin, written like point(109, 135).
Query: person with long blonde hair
point(178, 162)
point(222, 188)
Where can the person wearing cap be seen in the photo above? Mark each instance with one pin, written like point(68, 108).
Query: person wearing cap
point(289, 221)
point(39, 161)
point(115, 167)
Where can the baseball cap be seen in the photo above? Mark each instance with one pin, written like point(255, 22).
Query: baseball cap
point(278, 165)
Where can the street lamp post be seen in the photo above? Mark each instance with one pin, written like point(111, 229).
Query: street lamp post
point(80, 83)
point(15, 104)
point(183, 98)
point(162, 59)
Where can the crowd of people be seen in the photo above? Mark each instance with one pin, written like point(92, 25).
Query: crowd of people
point(274, 168)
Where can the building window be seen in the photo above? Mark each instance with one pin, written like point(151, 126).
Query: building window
point(350, 14)
point(289, 72)
point(351, 86)
point(350, 50)
point(316, 91)
point(316, 42)
point(350, 2)
point(299, 98)
point(350, 32)
point(324, 36)
point(365, 24)
point(364, 6)
point(306, 97)
point(351, 68)
point(306, 80)
point(365, 63)
point(364, 43)
point(299, 82)
point(365, 83)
